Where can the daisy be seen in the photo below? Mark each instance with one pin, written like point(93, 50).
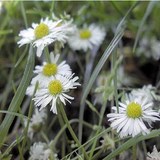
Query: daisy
point(87, 37)
point(155, 155)
point(45, 33)
point(52, 69)
point(39, 151)
point(47, 70)
point(55, 89)
point(147, 91)
point(132, 115)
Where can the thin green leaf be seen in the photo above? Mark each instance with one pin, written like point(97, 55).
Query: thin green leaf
point(147, 13)
point(102, 61)
point(21, 57)
point(14, 143)
point(4, 32)
point(14, 113)
point(18, 97)
point(90, 105)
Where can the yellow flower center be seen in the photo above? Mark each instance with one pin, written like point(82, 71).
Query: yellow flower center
point(85, 34)
point(41, 30)
point(50, 69)
point(55, 87)
point(134, 110)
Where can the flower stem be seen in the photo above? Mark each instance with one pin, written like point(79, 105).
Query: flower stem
point(144, 147)
point(99, 125)
point(47, 55)
point(71, 130)
point(62, 123)
point(134, 150)
point(90, 57)
point(114, 59)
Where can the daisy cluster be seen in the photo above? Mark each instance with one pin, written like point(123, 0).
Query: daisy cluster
point(135, 115)
point(47, 32)
point(55, 80)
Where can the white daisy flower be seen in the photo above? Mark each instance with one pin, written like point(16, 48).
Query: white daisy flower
point(47, 70)
point(39, 151)
point(38, 119)
point(87, 37)
point(52, 69)
point(131, 117)
point(145, 92)
point(155, 155)
point(55, 89)
point(45, 33)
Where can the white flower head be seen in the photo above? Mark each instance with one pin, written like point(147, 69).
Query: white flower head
point(36, 122)
point(87, 37)
point(155, 155)
point(146, 92)
point(55, 89)
point(131, 117)
point(39, 151)
point(45, 33)
point(47, 70)
point(39, 116)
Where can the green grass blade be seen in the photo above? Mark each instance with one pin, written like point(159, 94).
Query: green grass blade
point(13, 144)
point(147, 13)
point(131, 142)
point(14, 113)
point(101, 62)
point(18, 97)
